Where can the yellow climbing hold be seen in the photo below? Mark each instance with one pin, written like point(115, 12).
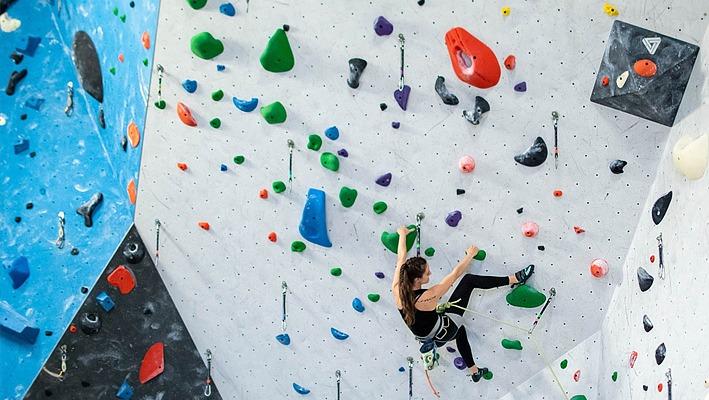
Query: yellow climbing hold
point(506, 10)
point(610, 9)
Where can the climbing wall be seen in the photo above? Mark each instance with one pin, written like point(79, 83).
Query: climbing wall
point(226, 280)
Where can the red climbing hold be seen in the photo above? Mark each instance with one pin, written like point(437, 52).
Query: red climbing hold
point(645, 68)
point(182, 166)
point(72, 328)
point(652, 258)
point(510, 62)
point(530, 229)
point(145, 39)
point(185, 115)
point(153, 362)
point(605, 80)
point(558, 193)
point(659, 387)
point(577, 375)
point(473, 62)
point(121, 58)
point(204, 225)
point(272, 237)
point(633, 358)
point(579, 230)
point(263, 193)
point(599, 267)
point(122, 278)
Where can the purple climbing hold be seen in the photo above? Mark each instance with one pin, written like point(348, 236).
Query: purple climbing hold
point(382, 26)
point(19, 271)
point(396, 124)
point(521, 87)
point(384, 180)
point(379, 275)
point(343, 153)
point(459, 363)
point(453, 218)
point(402, 96)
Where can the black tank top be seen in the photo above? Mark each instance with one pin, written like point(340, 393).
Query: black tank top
point(424, 321)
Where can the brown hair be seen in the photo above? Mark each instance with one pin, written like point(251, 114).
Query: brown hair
point(413, 268)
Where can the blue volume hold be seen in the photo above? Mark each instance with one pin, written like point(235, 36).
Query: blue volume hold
point(125, 392)
point(357, 305)
point(189, 85)
point(105, 301)
point(245, 105)
point(339, 335)
point(283, 339)
point(19, 271)
point(332, 133)
point(227, 9)
point(300, 389)
point(313, 225)
point(15, 325)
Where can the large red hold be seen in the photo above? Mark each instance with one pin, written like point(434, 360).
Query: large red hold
point(473, 62)
point(153, 362)
point(122, 278)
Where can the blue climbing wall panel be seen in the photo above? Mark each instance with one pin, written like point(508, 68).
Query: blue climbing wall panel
point(69, 159)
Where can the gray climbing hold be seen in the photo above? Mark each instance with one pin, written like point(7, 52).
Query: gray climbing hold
point(659, 209)
point(645, 280)
point(535, 155)
point(660, 353)
point(87, 209)
point(647, 324)
point(616, 166)
point(481, 107)
point(357, 66)
point(443, 93)
point(453, 218)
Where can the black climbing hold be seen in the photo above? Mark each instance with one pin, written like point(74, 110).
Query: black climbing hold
point(443, 93)
point(87, 64)
point(133, 252)
point(541, 248)
point(660, 208)
point(124, 143)
point(17, 57)
point(48, 393)
point(29, 206)
point(647, 324)
point(357, 66)
point(15, 78)
point(481, 107)
point(421, 2)
point(535, 155)
point(74, 251)
point(85, 384)
point(617, 166)
point(645, 388)
point(23, 117)
point(101, 118)
point(33, 154)
point(382, 106)
point(660, 353)
point(132, 4)
point(459, 191)
point(87, 209)
point(149, 309)
point(90, 323)
point(48, 333)
point(286, 27)
point(520, 210)
point(84, 289)
point(18, 219)
point(644, 279)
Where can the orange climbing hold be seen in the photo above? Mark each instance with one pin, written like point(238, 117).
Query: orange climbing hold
point(185, 115)
point(579, 230)
point(510, 62)
point(204, 225)
point(122, 278)
point(131, 191)
point(133, 134)
point(272, 237)
point(558, 193)
point(182, 166)
point(605, 80)
point(146, 40)
point(121, 58)
point(263, 193)
point(473, 61)
point(72, 328)
point(153, 363)
point(645, 68)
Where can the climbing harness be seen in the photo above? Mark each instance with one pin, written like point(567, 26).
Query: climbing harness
point(419, 218)
point(668, 374)
point(62, 371)
point(284, 289)
point(60, 236)
point(158, 224)
point(291, 145)
point(552, 294)
point(69, 99)
point(661, 270)
point(410, 360)
point(555, 118)
point(208, 381)
point(338, 376)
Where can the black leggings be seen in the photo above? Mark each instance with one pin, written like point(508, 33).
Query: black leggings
point(462, 294)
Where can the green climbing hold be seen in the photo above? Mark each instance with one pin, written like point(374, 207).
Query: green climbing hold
point(429, 252)
point(160, 104)
point(373, 297)
point(239, 159)
point(145, 62)
point(274, 113)
point(526, 296)
point(330, 161)
point(197, 4)
point(511, 344)
point(112, 70)
point(391, 240)
point(205, 46)
point(297, 246)
point(216, 123)
point(379, 207)
point(564, 364)
point(122, 18)
point(115, 11)
point(217, 95)
point(336, 271)
point(488, 375)
point(278, 56)
point(481, 255)
point(314, 142)
point(614, 376)
point(279, 186)
point(579, 397)
point(347, 196)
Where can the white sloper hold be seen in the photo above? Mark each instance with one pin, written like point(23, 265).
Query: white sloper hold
point(690, 156)
point(622, 78)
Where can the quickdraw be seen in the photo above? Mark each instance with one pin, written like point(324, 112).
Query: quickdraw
point(338, 377)
point(660, 255)
point(69, 109)
point(158, 224)
point(284, 289)
point(208, 381)
point(60, 236)
point(291, 145)
point(555, 118)
point(419, 218)
point(62, 371)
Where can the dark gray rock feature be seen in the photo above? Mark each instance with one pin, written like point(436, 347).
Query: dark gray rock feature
point(442, 91)
point(660, 353)
point(481, 107)
point(656, 98)
point(87, 64)
point(645, 280)
point(357, 66)
point(616, 166)
point(647, 324)
point(535, 155)
point(659, 209)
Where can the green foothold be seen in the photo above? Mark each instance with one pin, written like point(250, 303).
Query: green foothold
point(115, 11)
point(197, 4)
point(429, 252)
point(373, 297)
point(614, 376)
point(526, 296)
point(481, 255)
point(391, 240)
point(314, 142)
point(218, 95)
point(336, 271)
point(239, 159)
point(379, 207)
point(278, 56)
point(511, 344)
point(579, 397)
point(279, 186)
point(564, 364)
point(297, 246)
point(145, 62)
point(123, 18)
point(347, 196)
point(160, 104)
point(216, 123)
point(488, 375)
point(329, 161)
point(274, 113)
point(112, 70)
point(205, 46)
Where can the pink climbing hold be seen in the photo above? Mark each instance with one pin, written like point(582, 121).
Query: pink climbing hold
point(599, 268)
point(466, 164)
point(577, 375)
point(633, 358)
point(530, 229)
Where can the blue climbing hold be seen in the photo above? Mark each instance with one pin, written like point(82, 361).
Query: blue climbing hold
point(221, 67)
point(313, 225)
point(22, 145)
point(227, 9)
point(223, 167)
point(19, 271)
point(105, 301)
point(125, 392)
point(245, 105)
point(332, 133)
point(339, 335)
point(189, 85)
point(357, 305)
point(379, 275)
point(300, 389)
point(15, 325)
point(402, 369)
point(283, 339)
point(34, 103)
point(31, 44)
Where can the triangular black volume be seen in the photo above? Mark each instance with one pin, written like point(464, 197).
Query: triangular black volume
point(99, 363)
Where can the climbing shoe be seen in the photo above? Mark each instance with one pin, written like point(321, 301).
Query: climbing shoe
point(523, 274)
point(478, 375)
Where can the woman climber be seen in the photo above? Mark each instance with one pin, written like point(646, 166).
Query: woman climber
point(418, 305)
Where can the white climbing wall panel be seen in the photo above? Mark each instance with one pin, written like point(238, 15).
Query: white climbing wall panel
point(226, 281)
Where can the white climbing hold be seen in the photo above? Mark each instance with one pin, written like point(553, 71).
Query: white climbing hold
point(9, 24)
point(622, 78)
point(690, 155)
point(3, 119)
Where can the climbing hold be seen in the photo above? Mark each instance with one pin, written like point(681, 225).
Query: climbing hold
point(278, 186)
point(610, 9)
point(525, 296)
point(530, 229)
point(459, 191)
point(506, 10)
point(133, 134)
point(87, 209)
point(645, 68)
point(90, 323)
point(379, 275)
point(395, 124)
point(122, 278)
point(217, 95)
point(480, 255)
point(382, 106)
point(332, 133)
point(19, 271)
point(579, 230)
point(521, 87)
point(614, 376)
point(621, 79)
point(402, 96)
point(633, 357)
point(125, 391)
point(511, 344)
point(379, 207)
point(429, 252)
point(215, 123)
point(205, 46)
point(329, 161)
point(645, 280)
point(185, 115)
point(221, 67)
point(15, 78)
point(535, 155)
point(227, 9)
point(577, 375)
point(238, 160)
point(223, 168)
point(659, 209)
point(473, 61)
point(16, 325)
point(153, 363)
point(105, 301)
point(196, 4)
point(87, 64)
point(563, 364)
point(297, 246)
point(391, 240)
point(647, 324)
point(189, 85)
point(447, 97)
point(660, 353)
point(299, 389)
point(357, 66)
point(466, 164)
point(313, 224)
point(659, 387)
point(373, 297)
point(510, 62)
point(347, 196)
point(34, 103)
point(343, 153)
point(274, 113)
point(21, 145)
point(481, 107)
point(599, 267)
point(204, 225)
point(145, 40)
point(459, 363)
point(182, 166)
point(272, 237)
point(314, 142)
point(263, 193)
point(487, 375)
point(382, 26)
point(616, 166)
point(130, 188)
point(245, 105)
point(605, 80)
point(339, 335)
point(384, 180)
point(283, 339)
point(453, 218)
point(277, 56)
point(357, 305)
point(578, 397)
point(32, 42)
point(336, 271)
point(690, 156)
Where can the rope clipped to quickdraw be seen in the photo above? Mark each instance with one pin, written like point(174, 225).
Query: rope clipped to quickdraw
point(552, 294)
point(401, 46)
point(411, 376)
point(555, 118)
point(69, 109)
point(668, 375)
point(62, 371)
point(160, 103)
point(284, 289)
point(158, 224)
point(338, 377)
point(208, 381)
point(660, 255)
point(419, 218)
point(291, 145)
point(60, 236)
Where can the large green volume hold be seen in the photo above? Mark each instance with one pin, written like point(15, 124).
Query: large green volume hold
point(391, 240)
point(274, 113)
point(278, 56)
point(526, 296)
point(205, 46)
